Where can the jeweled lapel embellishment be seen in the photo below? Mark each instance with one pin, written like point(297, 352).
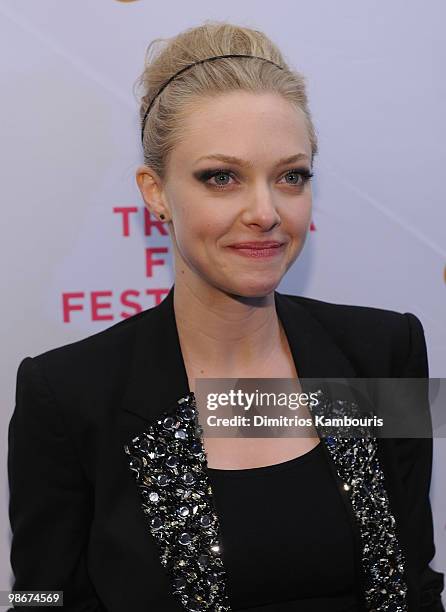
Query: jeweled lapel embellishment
point(357, 464)
point(168, 461)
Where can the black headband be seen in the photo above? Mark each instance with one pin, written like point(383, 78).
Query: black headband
point(207, 59)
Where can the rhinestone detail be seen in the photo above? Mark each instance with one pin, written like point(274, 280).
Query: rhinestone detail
point(357, 465)
point(168, 461)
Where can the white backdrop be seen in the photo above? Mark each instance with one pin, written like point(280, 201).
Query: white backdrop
point(70, 145)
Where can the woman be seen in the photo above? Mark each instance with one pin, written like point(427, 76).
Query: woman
point(116, 499)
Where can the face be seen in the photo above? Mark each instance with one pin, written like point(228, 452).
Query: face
point(239, 175)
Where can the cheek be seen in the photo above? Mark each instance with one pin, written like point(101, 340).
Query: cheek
point(299, 218)
point(195, 228)
point(203, 223)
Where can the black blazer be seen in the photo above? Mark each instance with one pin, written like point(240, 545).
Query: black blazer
point(79, 453)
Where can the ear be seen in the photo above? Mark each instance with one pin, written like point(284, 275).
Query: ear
point(150, 186)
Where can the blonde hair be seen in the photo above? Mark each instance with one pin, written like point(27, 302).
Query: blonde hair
point(164, 124)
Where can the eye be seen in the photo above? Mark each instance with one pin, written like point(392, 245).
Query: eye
point(299, 173)
point(207, 175)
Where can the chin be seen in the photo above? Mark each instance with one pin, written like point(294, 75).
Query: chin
point(252, 289)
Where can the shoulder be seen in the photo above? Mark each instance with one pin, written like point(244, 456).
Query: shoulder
point(97, 359)
point(386, 342)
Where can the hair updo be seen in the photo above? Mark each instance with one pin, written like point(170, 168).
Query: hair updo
point(164, 123)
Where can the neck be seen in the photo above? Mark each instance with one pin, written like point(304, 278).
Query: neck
point(220, 332)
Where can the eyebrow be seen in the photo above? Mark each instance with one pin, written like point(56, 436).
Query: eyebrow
point(230, 159)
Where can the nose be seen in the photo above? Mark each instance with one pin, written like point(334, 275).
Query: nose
point(261, 209)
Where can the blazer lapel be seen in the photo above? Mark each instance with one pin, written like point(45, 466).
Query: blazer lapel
point(157, 370)
point(168, 461)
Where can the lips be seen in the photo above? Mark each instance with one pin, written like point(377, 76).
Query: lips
point(259, 251)
point(257, 245)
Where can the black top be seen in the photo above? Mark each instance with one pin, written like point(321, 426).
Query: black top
point(286, 539)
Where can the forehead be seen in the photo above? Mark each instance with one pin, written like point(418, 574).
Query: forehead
point(247, 125)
